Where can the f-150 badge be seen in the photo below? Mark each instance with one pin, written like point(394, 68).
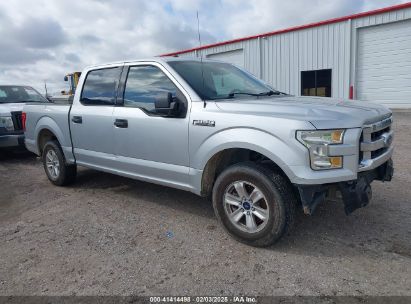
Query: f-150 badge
point(204, 123)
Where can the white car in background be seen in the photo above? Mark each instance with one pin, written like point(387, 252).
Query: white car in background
point(12, 100)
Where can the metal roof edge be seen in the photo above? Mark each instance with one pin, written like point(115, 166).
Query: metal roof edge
point(295, 28)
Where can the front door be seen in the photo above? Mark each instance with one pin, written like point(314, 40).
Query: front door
point(148, 145)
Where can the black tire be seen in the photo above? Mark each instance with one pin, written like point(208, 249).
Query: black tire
point(278, 194)
point(67, 173)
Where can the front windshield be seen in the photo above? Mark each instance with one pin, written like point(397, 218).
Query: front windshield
point(221, 80)
point(19, 94)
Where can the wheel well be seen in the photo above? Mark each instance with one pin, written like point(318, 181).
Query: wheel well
point(44, 136)
point(228, 157)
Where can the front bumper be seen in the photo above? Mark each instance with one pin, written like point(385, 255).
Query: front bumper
point(355, 193)
point(12, 140)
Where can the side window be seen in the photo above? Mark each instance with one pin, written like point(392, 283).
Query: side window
point(144, 84)
point(100, 87)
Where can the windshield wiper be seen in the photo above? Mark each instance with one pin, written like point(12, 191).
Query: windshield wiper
point(271, 92)
point(232, 94)
point(268, 93)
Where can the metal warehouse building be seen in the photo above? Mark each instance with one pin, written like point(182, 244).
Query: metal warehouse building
point(365, 56)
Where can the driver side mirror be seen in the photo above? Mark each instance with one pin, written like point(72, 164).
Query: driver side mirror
point(167, 105)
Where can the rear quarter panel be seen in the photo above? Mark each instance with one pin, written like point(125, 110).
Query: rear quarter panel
point(52, 117)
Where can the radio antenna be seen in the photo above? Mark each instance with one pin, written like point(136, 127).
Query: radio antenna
point(201, 57)
point(45, 88)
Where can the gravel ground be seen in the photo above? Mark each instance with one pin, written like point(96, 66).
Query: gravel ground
point(108, 235)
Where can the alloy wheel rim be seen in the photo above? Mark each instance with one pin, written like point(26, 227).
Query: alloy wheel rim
point(246, 206)
point(52, 164)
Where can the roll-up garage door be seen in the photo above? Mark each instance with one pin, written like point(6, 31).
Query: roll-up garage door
point(384, 64)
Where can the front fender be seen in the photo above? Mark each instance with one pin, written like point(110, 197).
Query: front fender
point(283, 152)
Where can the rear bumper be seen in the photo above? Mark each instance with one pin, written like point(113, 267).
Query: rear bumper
point(31, 146)
point(355, 193)
point(16, 140)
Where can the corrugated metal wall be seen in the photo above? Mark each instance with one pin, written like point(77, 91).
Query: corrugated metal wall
point(279, 59)
point(326, 47)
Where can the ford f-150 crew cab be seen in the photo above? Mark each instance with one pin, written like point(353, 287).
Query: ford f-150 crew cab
point(214, 129)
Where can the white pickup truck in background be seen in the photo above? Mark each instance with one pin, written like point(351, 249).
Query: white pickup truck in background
point(12, 100)
point(217, 131)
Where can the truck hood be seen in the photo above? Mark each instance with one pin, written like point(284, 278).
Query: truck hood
point(322, 112)
point(6, 108)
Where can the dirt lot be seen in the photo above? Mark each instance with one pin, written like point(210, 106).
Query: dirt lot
point(112, 235)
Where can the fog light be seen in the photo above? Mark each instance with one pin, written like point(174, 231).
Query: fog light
point(328, 162)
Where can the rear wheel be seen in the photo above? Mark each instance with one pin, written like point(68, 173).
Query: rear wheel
point(55, 166)
point(254, 204)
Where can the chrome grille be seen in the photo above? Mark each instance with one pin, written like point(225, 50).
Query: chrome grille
point(375, 141)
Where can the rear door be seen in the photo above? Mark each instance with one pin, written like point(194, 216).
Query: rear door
point(91, 118)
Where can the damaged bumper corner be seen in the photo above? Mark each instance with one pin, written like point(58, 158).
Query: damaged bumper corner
point(355, 194)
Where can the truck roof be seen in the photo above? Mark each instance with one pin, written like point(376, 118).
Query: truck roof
point(152, 59)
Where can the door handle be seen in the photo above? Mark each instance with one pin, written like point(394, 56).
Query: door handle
point(77, 119)
point(121, 123)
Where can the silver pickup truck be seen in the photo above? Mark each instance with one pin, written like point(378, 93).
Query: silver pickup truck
point(213, 129)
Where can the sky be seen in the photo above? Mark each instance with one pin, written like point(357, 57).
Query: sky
point(42, 40)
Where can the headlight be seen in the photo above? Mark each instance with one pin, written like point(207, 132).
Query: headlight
point(317, 143)
point(7, 123)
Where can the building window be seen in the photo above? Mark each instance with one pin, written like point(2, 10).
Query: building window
point(316, 83)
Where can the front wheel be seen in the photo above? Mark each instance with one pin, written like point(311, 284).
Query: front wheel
point(54, 163)
point(254, 204)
